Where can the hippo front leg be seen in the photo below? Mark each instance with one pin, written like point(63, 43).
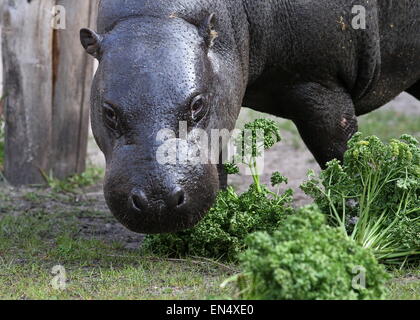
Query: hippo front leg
point(326, 120)
point(223, 177)
point(414, 90)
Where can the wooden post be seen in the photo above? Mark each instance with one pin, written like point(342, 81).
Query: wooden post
point(27, 70)
point(46, 82)
point(72, 79)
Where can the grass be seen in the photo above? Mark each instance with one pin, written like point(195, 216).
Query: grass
point(91, 176)
point(389, 124)
point(405, 285)
point(33, 241)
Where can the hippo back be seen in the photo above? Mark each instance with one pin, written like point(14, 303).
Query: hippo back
point(112, 11)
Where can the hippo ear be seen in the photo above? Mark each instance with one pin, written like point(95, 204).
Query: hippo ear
point(208, 31)
point(91, 41)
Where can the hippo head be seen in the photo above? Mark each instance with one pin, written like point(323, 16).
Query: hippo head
point(156, 75)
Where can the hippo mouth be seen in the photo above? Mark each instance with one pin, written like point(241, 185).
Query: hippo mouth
point(161, 217)
point(161, 208)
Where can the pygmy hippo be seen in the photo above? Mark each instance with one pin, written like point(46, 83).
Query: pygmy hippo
point(319, 63)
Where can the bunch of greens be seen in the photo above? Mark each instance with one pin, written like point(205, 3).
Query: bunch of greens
point(221, 234)
point(374, 197)
point(257, 136)
point(307, 259)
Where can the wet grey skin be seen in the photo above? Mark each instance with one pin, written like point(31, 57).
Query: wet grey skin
point(199, 61)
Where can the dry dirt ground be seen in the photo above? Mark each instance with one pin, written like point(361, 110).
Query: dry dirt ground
point(290, 157)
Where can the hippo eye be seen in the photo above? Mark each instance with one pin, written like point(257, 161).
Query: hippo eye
point(110, 117)
point(198, 108)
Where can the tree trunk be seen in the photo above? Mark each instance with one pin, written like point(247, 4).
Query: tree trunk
point(47, 78)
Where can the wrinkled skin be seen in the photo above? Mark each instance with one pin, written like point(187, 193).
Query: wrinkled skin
point(299, 59)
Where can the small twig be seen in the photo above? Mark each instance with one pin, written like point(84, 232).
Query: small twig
point(221, 265)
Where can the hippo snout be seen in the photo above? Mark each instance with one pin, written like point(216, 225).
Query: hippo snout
point(153, 199)
point(175, 200)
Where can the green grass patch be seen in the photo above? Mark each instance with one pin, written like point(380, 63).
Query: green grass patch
point(387, 124)
point(32, 243)
point(91, 176)
point(405, 285)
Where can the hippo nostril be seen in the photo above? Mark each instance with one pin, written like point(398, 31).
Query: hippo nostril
point(176, 198)
point(181, 199)
point(138, 200)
